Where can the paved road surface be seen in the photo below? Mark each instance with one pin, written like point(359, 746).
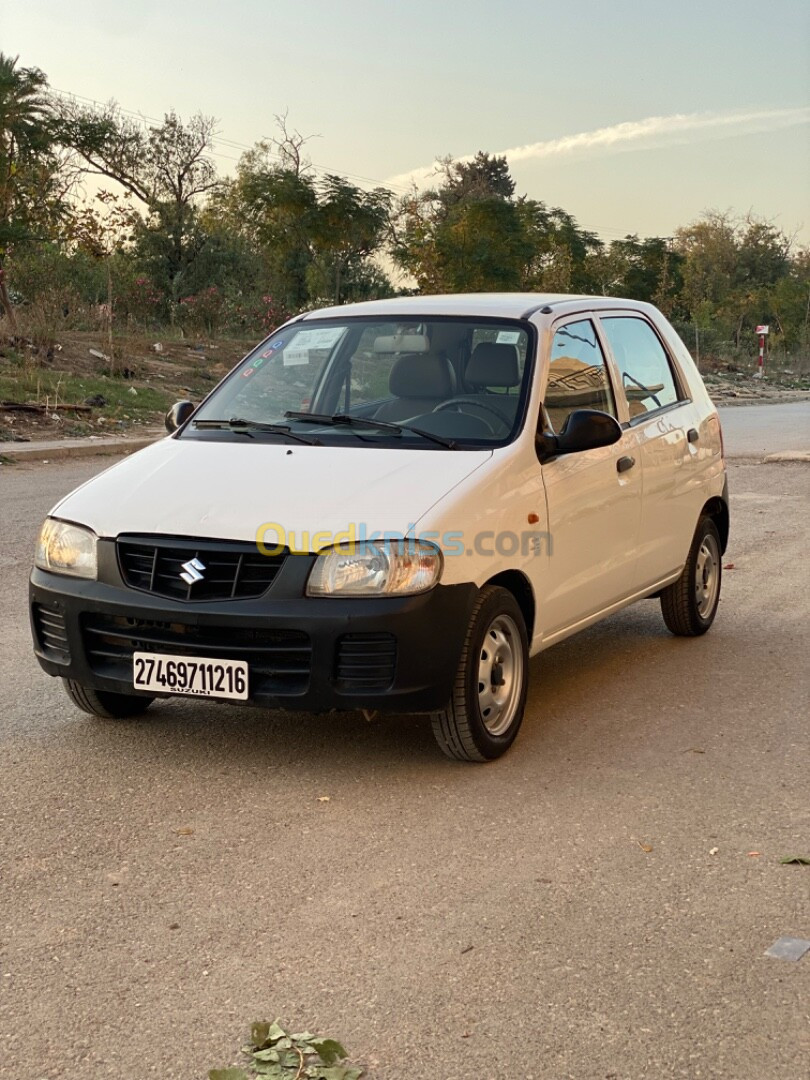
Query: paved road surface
point(558, 913)
point(755, 430)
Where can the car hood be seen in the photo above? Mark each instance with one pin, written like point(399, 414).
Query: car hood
point(228, 490)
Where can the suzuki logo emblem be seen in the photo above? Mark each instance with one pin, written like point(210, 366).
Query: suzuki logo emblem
point(193, 571)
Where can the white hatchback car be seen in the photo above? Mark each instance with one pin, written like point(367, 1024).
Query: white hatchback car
point(392, 506)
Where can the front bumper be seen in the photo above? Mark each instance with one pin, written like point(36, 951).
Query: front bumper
point(314, 654)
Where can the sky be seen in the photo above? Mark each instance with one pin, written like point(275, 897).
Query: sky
point(633, 116)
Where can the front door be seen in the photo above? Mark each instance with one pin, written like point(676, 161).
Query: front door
point(593, 498)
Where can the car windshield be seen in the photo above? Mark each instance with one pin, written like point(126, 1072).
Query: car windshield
point(452, 383)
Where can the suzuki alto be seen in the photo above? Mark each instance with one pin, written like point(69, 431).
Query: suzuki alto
point(392, 506)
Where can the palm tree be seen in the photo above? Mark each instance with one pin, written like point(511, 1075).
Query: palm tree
point(26, 136)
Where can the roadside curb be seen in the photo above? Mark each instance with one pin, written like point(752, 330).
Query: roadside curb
point(787, 455)
point(39, 453)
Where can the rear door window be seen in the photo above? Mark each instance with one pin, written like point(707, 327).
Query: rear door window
point(644, 368)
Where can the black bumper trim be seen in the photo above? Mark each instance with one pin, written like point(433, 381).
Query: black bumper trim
point(416, 675)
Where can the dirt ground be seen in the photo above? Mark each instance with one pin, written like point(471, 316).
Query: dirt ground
point(146, 376)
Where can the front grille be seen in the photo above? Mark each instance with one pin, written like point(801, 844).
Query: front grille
point(230, 571)
point(279, 660)
point(366, 661)
point(51, 633)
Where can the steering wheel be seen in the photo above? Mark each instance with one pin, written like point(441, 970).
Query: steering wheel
point(484, 406)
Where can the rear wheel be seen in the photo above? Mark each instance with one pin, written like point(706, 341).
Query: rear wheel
point(483, 716)
point(689, 605)
point(102, 703)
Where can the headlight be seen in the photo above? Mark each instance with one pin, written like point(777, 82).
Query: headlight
point(387, 568)
point(66, 549)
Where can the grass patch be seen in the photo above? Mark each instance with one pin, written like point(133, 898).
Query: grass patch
point(51, 388)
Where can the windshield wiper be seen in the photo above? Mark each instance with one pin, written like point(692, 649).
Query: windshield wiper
point(367, 421)
point(244, 427)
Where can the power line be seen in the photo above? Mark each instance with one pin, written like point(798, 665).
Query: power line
point(233, 144)
point(609, 233)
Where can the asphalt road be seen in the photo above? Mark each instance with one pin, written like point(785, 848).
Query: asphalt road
point(755, 430)
point(556, 914)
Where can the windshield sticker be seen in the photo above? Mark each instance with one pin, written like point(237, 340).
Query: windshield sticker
point(324, 338)
point(268, 352)
point(295, 357)
point(508, 337)
point(246, 372)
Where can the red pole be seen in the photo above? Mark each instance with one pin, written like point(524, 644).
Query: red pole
point(761, 365)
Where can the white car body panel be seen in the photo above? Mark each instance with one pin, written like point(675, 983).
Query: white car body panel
point(227, 490)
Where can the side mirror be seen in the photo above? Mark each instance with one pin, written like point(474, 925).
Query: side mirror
point(178, 414)
point(585, 429)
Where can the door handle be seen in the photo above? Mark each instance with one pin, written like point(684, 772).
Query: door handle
point(625, 463)
point(692, 434)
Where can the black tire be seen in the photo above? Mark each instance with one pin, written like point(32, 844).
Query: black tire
point(105, 704)
point(689, 605)
point(461, 729)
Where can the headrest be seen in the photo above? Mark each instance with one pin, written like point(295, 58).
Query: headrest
point(410, 343)
point(425, 375)
point(492, 364)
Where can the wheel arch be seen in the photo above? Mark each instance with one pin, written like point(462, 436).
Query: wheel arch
point(717, 509)
point(520, 587)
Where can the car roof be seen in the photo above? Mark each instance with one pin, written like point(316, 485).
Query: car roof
point(493, 305)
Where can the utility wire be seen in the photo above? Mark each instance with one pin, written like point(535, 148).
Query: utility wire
point(233, 144)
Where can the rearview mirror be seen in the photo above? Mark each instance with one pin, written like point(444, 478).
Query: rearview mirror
point(585, 429)
point(178, 414)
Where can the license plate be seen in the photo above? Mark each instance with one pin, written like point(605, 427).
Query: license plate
point(201, 677)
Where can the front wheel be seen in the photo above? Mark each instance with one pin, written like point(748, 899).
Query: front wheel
point(105, 704)
point(689, 605)
point(483, 716)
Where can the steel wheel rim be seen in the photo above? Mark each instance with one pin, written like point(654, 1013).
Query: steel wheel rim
point(707, 576)
point(500, 675)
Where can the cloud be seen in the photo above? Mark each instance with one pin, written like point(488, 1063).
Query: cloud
point(654, 131)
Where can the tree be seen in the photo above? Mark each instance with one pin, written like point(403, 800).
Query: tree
point(471, 233)
point(484, 177)
point(167, 168)
point(351, 226)
point(731, 267)
point(275, 208)
point(34, 180)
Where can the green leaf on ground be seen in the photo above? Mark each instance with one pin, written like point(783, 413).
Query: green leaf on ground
point(797, 860)
point(329, 1049)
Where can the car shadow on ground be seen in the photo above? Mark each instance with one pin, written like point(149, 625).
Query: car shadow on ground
point(612, 663)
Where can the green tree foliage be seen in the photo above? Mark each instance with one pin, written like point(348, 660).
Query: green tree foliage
point(34, 179)
point(470, 233)
point(168, 168)
point(316, 240)
point(732, 270)
point(350, 226)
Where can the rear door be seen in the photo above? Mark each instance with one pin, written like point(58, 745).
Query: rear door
point(593, 497)
point(661, 417)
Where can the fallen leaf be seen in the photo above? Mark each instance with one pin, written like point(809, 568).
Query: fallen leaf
point(795, 860)
point(324, 798)
point(693, 750)
point(185, 831)
point(753, 853)
point(729, 566)
point(644, 847)
point(714, 850)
